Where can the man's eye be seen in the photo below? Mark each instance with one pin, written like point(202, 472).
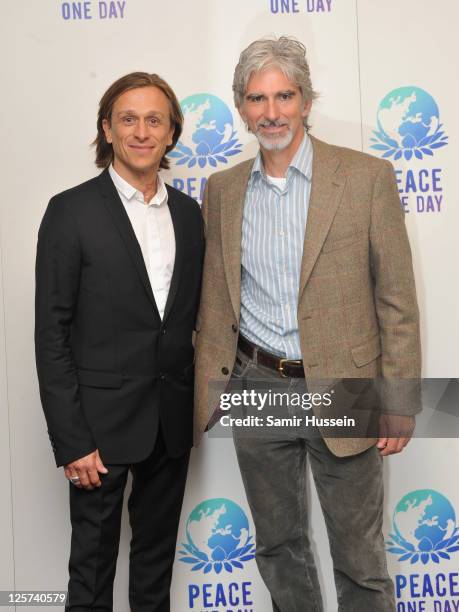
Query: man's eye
point(286, 96)
point(153, 121)
point(128, 119)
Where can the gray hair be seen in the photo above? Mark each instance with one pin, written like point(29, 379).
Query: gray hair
point(285, 53)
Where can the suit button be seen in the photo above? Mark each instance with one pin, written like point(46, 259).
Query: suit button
point(162, 377)
point(163, 332)
point(234, 328)
point(225, 371)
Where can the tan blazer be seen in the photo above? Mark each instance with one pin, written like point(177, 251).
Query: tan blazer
point(357, 309)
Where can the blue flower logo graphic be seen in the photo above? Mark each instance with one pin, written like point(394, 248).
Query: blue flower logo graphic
point(209, 136)
point(218, 537)
point(424, 528)
point(408, 124)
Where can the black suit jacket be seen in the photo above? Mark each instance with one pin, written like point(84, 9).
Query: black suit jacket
point(110, 370)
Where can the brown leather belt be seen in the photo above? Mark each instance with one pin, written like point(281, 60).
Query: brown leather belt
point(287, 368)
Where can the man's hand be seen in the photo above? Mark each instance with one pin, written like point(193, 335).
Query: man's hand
point(395, 432)
point(87, 469)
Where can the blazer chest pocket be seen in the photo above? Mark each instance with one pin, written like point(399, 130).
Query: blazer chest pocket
point(101, 380)
point(335, 244)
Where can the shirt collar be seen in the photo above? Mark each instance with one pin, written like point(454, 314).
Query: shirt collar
point(302, 161)
point(131, 193)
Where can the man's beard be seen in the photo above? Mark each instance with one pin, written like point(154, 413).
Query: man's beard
point(275, 142)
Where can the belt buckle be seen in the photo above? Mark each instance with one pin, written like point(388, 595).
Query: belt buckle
point(280, 369)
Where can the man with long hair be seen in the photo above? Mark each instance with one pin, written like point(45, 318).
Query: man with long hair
point(308, 282)
point(118, 275)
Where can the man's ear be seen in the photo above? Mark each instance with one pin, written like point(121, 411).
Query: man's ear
point(307, 108)
point(107, 130)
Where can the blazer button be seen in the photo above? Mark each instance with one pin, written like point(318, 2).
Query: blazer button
point(163, 332)
point(234, 328)
point(225, 371)
point(162, 377)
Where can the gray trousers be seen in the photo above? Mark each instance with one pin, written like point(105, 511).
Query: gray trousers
point(350, 490)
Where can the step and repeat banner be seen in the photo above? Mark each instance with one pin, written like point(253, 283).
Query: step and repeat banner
point(388, 78)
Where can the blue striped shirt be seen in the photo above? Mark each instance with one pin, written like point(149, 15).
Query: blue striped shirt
point(273, 228)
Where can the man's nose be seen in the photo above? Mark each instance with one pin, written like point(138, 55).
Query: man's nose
point(140, 130)
point(271, 110)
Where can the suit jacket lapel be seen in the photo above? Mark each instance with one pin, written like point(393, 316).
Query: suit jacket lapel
point(327, 188)
point(232, 207)
point(123, 224)
point(179, 231)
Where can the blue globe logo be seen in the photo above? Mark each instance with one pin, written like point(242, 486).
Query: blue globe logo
point(408, 124)
point(424, 525)
point(208, 136)
point(218, 537)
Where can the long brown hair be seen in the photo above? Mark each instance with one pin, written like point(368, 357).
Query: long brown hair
point(134, 80)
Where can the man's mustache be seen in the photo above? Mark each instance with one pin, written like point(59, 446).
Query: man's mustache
point(266, 123)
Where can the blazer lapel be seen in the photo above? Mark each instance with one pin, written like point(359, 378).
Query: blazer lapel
point(232, 207)
point(123, 224)
point(179, 231)
point(327, 188)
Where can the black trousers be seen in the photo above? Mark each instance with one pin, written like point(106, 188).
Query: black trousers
point(154, 505)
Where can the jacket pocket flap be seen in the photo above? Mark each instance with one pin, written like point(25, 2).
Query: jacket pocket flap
point(340, 243)
point(104, 380)
point(367, 352)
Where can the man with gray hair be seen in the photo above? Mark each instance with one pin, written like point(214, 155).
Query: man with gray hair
point(308, 277)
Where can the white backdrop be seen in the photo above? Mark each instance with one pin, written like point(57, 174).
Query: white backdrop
point(58, 58)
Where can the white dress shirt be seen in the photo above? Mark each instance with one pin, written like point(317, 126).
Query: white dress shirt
point(152, 225)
